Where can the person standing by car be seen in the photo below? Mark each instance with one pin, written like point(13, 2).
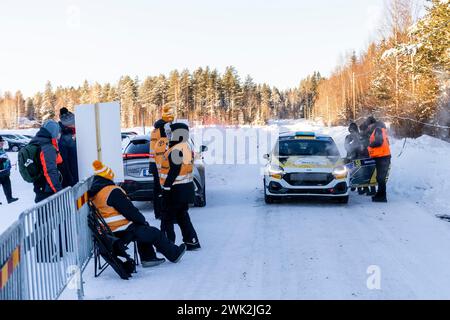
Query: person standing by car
point(68, 148)
point(47, 140)
point(127, 222)
point(379, 150)
point(5, 171)
point(158, 146)
point(365, 136)
point(353, 144)
point(176, 178)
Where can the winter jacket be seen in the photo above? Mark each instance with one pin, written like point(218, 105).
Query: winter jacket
point(178, 193)
point(5, 164)
point(376, 128)
point(68, 150)
point(379, 142)
point(353, 146)
point(50, 159)
point(117, 200)
point(157, 133)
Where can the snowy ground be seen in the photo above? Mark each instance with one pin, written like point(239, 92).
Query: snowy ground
point(304, 250)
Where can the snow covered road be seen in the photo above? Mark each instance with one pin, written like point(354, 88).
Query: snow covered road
point(295, 250)
point(300, 249)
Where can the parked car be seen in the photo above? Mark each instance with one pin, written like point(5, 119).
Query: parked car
point(139, 181)
point(14, 142)
point(128, 134)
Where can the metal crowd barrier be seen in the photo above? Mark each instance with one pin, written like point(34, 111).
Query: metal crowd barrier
point(47, 248)
point(10, 267)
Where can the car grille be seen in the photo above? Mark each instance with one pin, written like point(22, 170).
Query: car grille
point(308, 179)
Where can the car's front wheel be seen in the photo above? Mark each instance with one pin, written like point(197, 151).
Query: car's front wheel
point(267, 198)
point(200, 200)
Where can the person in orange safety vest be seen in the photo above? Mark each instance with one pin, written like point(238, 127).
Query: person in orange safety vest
point(379, 150)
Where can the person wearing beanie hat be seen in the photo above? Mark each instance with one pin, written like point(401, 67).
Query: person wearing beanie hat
point(176, 179)
point(68, 148)
point(127, 222)
point(352, 143)
point(168, 112)
point(47, 140)
point(5, 170)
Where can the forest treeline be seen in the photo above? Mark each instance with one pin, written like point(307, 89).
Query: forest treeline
point(403, 77)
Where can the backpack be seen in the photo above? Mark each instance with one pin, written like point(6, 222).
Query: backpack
point(29, 163)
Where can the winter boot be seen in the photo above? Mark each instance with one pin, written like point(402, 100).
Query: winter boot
point(153, 262)
point(192, 246)
point(181, 251)
point(12, 200)
point(379, 198)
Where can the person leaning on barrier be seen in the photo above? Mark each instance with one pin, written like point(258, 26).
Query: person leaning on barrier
point(127, 222)
point(176, 178)
point(47, 140)
point(379, 150)
point(158, 146)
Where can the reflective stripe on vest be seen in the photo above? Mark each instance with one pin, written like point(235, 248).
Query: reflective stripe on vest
point(187, 167)
point(113, 218)
point(382, 151)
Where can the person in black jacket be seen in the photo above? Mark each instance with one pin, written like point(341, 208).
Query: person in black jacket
point(5, 171)
point(47, 139)
point(365, 136)
point(127, 222)
point(353, 144)
point(68, 149)
point(178, 187)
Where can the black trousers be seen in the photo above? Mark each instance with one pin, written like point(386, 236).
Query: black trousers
point(157, 196)
point(5, 181)
point(147, 237)
point(382, 165)
point(178, 212)
point(39, 191)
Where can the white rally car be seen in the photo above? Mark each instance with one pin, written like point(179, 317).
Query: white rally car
point(305, 164)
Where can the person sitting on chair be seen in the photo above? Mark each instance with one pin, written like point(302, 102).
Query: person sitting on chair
point(127, 222)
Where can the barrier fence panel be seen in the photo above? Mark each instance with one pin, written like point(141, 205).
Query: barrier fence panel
point(85, 243)
point(50, 246)
point(47, 249)
point(11, 281)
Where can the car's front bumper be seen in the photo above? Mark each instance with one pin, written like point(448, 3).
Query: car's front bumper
point(280, 188)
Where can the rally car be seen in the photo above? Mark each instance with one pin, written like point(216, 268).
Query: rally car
point(305, 164)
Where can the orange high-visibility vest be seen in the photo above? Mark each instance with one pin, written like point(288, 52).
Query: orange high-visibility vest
point(154, 137)
point(382, 151)
point(187, 165)
point(113, 218)
point(160, 149)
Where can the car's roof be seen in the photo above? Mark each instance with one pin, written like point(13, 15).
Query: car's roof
point(141, 137)
point(292, 134)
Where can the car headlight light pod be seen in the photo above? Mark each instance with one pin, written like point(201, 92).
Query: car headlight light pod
point(340, 172)
point(276, 172)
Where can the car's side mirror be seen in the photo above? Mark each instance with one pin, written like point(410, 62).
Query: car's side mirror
point(266, 156)
point(203, 148)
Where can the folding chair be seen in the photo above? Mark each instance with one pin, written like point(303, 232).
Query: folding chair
point(109, 247)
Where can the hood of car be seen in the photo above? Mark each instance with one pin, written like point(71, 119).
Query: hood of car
point(308, 162)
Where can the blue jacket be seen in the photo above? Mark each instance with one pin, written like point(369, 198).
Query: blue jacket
point(5, 164)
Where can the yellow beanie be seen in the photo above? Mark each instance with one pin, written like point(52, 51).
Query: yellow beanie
point(101, 170)
point(168, 113)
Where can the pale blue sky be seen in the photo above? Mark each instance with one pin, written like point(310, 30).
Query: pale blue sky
point(278, 42)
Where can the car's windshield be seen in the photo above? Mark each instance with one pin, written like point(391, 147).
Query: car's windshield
point(287, 148)
point(138, 147)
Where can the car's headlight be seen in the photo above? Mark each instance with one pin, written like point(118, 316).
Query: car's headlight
point(275, 171)
point(340, 172)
